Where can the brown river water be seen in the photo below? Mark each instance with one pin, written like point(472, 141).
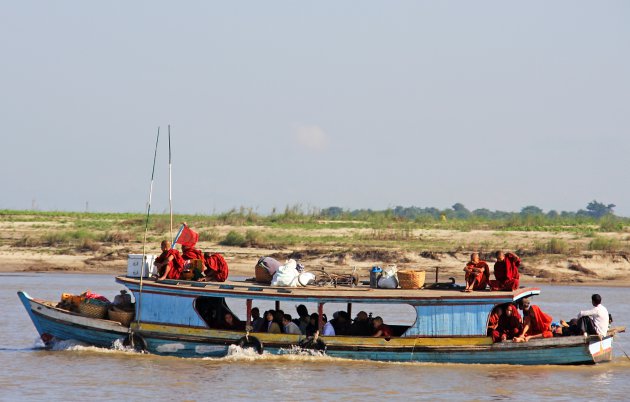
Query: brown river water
point(74, 372)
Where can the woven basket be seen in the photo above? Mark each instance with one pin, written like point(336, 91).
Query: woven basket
point(411, 279)
point(93, 310)
point(262, 275)
point(122, 316)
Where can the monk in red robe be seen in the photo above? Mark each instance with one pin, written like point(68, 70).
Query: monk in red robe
point(506, 272)
point(493, 324)
point(191, 253)
point(216, 268)
point(380, 329)
point(170, 263)
point(536, 323)
point(510, 325)
point(477, 273)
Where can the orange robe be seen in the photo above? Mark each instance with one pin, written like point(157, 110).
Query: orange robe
point(539, 322)
point(479, 272)
point(506, 273)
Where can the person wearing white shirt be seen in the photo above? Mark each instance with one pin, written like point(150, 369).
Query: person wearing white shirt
point(594, 321)
point(328, 329)
point(289, 326)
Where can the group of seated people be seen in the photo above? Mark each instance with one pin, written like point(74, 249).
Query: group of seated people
point(505, 322)
point(477, 272)
point(171, 264)
point(277, 322)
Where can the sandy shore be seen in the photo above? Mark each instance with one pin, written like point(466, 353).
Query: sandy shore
point(101, 244)
point(595, 270)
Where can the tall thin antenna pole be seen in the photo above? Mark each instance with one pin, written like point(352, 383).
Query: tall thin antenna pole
point(146, 228)
point(170, 182)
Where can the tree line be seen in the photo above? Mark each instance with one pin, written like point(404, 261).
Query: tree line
point(594, 210)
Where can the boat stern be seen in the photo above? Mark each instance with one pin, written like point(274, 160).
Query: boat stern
point(601, 350)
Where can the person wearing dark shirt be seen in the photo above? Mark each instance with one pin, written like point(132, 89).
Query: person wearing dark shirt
point(361, 325)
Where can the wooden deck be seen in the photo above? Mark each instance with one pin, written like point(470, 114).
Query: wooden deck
point(361, 293)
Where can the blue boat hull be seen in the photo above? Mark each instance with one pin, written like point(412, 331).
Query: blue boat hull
point(54, 324)
point(577, 354)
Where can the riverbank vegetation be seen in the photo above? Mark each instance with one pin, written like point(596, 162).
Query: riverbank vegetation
point(594, 228)
point(590, 244)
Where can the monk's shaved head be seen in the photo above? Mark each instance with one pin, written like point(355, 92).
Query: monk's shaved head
point(525, 303)
point(165, 245)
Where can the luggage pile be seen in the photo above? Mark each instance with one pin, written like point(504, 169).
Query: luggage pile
point(93, 305)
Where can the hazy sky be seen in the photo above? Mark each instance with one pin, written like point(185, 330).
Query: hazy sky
point(357, 104)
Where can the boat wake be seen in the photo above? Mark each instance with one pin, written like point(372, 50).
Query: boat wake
point(75, 346)
point(237, 353)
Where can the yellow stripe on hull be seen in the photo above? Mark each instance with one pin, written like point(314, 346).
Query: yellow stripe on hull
point(343, 341)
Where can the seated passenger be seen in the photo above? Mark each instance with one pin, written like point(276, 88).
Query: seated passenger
point(257, 320)
point(278, 316)
point(191, 253)
point(230, 322)
point(193, 260)
point(341, 323)
point(510, 325)
point(313, 324)
point(536, 324)
point(493, 324)
point(271, 326)
point(303, 319)
point(216, 268)
point(381, 329)
point(506, 272)
point(289, 326)
point(477, 273)
point(592, 322)
point(170, 263)
point(328, 329)
point(361, 325)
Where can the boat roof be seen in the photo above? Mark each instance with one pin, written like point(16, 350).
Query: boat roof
point(342, 294)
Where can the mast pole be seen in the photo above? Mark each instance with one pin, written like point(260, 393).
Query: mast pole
point(170, 182)
point(146, 228)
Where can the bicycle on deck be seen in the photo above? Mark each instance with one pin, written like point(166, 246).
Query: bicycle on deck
point(321, 278)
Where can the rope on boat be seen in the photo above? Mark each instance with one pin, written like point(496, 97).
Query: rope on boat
point(146, 229)
point(624, 352)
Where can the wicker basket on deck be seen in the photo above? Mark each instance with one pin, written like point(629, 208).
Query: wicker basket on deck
point(92, 309)
point(122, 316)
point(411, 279)
point(262, 274)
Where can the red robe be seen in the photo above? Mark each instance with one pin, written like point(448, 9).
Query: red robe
point(493, 329)
point(386, 331)
point(177, 264)
point(482, 277)
point(539, 322)
point(510, 326)
point(191, 253)
point(216, 267)
point(506, 272)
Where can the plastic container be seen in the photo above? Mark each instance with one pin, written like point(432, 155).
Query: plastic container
point(135, 268)
point(375, 274)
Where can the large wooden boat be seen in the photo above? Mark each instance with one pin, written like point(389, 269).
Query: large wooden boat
point(172, 318)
